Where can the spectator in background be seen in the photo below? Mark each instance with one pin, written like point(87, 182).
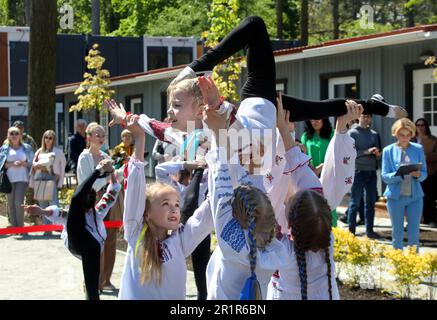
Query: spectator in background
point(76, 145)
point(316, 137)
point(88, 160)
point(30, 141)
point(429, 143)
point(16, 156)
point(26, 138)
point(404, 193)
point(48, 164)
point(124, 149)
point(368, 145)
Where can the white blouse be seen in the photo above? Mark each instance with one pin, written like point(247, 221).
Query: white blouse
point(286, 284)
point(95, 227)
point(17, 174)
point(86, 166)
point(229, 265)
point(176, 248)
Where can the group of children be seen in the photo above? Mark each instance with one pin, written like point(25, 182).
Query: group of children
point(271, 214)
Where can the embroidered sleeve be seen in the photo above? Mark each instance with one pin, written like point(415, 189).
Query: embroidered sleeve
point(338, 170)
point(107, 200)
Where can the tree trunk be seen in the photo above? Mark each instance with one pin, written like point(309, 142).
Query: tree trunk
point(279, 22)
point(410, 18)
point(336, 19)
point(304, 22)
point(42, 68)
point(27, 10)
point(95, 17)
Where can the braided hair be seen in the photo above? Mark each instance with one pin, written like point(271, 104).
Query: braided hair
point(254, 212)
point(309, 216)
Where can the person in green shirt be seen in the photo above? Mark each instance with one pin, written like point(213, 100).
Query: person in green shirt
point(316, 139)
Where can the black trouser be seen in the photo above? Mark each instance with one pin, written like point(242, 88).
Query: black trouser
point(201, 254)
point(82, 243)
point(252, 34)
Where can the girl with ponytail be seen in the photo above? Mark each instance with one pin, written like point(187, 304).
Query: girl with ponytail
point(158, 244)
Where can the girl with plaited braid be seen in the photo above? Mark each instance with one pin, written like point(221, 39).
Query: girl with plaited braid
point(244, 220)
point(309, 272)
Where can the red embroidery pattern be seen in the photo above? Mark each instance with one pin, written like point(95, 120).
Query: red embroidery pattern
point(348, 180)
point(159, 128)
point(298, 166)
point(346, 160)
point(278, 159)
point(269, 177)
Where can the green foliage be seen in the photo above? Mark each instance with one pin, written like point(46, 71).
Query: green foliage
point(65, 196)
point(187, 18)
point(223, 17)
point(353, 29)
point(94, 88)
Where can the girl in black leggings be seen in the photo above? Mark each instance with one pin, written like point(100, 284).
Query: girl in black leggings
point(261, 75)
point(84, 232)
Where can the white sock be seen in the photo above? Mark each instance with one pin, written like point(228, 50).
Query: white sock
point(391, 112)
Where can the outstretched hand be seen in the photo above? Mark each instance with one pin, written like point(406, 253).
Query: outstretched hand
point(354, 111)
point(117, 112)
point(106, 164)
point(193, 165)
point(210, 93)
point(283, 116)
point(133, 126)
point(33, 209)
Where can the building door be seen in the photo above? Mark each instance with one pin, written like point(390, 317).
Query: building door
point(342, 87)
point(425, 97)
point(4, 123)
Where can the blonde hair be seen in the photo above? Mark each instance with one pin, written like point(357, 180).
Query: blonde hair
point(126, 132)
point(190, 86)
point(92, 127)
point(151, 261)
point(43, 143)
point(403, 123)
point(7, 141)
point(251, 200)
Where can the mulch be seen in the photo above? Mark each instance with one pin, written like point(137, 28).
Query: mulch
point(428, 238)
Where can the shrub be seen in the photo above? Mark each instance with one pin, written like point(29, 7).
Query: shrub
point(430, 271)
point(408, 268)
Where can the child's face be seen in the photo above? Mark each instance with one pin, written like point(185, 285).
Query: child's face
point(164, 210)
point(182, 109)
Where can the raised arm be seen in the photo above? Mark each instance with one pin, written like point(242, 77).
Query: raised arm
point(339, 164)
point(135, 196)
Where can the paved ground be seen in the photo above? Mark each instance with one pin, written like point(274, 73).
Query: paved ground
point(40, 267)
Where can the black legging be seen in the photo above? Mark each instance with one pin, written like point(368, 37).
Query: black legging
point(201, 254)
point(80, 240)
point(261, 73)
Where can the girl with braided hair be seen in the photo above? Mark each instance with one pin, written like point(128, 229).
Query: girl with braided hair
point(247, 253)
point(309, 271)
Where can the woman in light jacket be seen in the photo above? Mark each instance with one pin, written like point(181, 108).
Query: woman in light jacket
point(48, 164)
point(16, 157)
point(404, 193)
